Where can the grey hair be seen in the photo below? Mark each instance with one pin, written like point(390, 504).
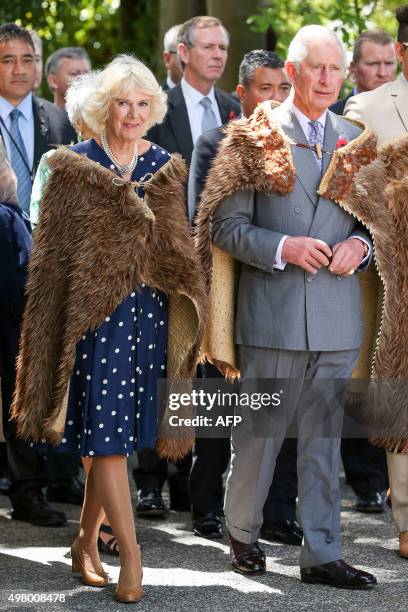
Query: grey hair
point(78, 91)
point(170, 39)
point(36, 39)
point(256, 59)
point(188, 29)
point(52, 65)
point(298, 47)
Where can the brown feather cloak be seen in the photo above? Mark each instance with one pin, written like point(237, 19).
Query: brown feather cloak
point(95, 242)
point(379, 196)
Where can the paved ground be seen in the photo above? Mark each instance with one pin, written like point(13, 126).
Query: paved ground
point(186, 573)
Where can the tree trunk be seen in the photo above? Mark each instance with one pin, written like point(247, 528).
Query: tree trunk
point(173, 12)
point(233, 14)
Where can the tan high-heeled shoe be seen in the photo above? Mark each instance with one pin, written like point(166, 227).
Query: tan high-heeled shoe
point(89, 577)
point(131, 594)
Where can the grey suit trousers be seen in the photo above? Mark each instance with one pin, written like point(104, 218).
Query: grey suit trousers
point(253, 454)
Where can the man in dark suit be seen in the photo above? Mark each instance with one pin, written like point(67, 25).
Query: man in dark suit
point(194, 106)
point(365, 466)
point(261, 77)
point(29, 127)
point(171, 60)
point(373, 64)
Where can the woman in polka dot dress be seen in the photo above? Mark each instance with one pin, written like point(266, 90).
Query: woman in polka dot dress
point(113, 391)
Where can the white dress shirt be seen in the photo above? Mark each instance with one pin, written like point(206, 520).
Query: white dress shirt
point(194, 109)
point(25, 124)
point(170, 82)
point(279, 263)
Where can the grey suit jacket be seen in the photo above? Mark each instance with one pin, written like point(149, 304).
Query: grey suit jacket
point(291, 309)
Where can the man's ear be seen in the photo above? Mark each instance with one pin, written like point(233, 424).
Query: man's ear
point(399, 51)
point(290, 68)
point(240, 90)
point(52, 82)
point(352, 72)
point(182, 51)
point(166, 59)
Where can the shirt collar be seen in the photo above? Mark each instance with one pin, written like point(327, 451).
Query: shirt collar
point(193, 95)
point(304, 120)
point(403, 77)
point(25, 107)
point(170, 82)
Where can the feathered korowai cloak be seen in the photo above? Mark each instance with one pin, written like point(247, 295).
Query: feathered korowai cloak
point(95, 242)
point(256, 154)
point(379, 195)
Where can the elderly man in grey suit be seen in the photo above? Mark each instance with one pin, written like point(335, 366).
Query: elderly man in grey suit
point(298, 304)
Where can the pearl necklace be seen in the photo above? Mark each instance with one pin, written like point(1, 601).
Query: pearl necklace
point(123, 168)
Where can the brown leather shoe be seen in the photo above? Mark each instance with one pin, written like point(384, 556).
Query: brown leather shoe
point(83, 565)
point(403, 544)
point(134, 593)
point(246, 558)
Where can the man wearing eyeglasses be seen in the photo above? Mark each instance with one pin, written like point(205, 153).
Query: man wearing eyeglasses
point(385, 110)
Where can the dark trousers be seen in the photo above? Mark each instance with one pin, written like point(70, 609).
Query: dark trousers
point(62, 466)
point(26, 468)
point(211, 458)
point(365, 465)
point(3, 460)
point(153, 471)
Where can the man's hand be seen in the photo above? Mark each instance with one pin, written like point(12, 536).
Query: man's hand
point(307, 253)
point(347, 256)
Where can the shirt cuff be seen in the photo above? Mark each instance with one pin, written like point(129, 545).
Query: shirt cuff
point(367, 257)
point(279, 263)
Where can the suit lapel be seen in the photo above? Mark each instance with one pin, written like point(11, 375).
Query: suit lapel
point(41, 129)
point(399, 92)
point(179, 122)
point(224, 106)
point(307, 170)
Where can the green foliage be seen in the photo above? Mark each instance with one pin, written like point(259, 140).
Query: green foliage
point(348, 18)
point(104, 27)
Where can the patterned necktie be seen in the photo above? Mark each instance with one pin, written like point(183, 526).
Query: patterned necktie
point(316, 137)
point(209, 120)
point(17, 163)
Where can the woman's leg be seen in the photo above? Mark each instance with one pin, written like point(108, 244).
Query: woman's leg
point(109, 539)
point(92, 516)
point(112, 486)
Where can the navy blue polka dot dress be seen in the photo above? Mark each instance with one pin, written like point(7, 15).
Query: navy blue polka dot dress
point(113, 394)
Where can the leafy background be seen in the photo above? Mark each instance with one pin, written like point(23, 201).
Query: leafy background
point(108, 27)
